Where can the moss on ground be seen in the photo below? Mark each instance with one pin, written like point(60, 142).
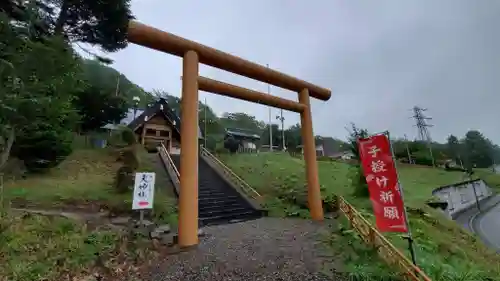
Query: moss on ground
point(444, 249)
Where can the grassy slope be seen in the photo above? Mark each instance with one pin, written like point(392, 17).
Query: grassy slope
point(85, 180)
point(35, 247)
point(444, 250)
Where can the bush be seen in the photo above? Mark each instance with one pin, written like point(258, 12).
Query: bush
point(44, 149)
point(358, 181)
point(128, 136)
point(211, 143)
point(130, 158)
point(231, 144)
point(330, 202)
point(422, 160)
point(115, 139)
point(124, 179)
point(293, 195)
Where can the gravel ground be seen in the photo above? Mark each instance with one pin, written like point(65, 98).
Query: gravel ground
point(262, 249)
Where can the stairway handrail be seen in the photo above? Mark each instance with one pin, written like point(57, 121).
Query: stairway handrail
point(384, 248)
point(169, 162)
point(241, 182)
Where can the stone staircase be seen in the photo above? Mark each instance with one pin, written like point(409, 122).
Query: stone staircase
point(218, 202)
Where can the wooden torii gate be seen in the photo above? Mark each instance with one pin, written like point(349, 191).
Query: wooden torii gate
point(193, 54)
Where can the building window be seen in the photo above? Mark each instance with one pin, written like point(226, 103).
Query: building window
point(165, 134)
point(151, 132)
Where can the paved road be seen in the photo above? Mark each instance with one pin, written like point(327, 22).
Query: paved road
point(472, 214)
point(487, 226)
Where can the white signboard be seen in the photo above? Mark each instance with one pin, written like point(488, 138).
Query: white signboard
point(144, 188)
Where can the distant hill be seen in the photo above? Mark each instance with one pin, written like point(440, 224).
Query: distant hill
point(112, 80)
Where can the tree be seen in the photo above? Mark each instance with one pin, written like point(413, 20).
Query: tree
point(98, 107)
point(293, 137)
point(355, 134)
point(43, 145)
point(38, 80)
point(110, 80)
point(212, 126)
point(106, 97)
point(277, 138)
point(356, 172)
point(478, 150)
point(241, 120)
point(100, 23)
point(454, 148)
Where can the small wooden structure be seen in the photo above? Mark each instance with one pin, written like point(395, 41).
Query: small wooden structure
point(248, 140)
point(159, 124)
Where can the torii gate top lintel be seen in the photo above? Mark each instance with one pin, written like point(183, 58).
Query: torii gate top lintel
point(156, 39)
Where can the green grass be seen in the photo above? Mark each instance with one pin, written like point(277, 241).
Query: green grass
point(444, 250)
point(54, 248)
point(85, 181)
point(36, 247)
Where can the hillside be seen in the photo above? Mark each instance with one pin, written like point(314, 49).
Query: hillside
point(444, 250)
point(109, 79)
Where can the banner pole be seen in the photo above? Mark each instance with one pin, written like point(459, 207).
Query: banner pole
point(411, 246)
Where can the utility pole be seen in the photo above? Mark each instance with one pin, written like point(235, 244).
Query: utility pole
point(116, 94)
point(282, 120)
point(270, 119)
point(423, 132)
point(408, 150)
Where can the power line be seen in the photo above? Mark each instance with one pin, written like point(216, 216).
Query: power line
point(421, 123)
point(422, 127)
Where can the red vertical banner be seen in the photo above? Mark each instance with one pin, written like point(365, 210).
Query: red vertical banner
point(382, 178)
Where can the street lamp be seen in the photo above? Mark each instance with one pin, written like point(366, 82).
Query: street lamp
point(282, 120)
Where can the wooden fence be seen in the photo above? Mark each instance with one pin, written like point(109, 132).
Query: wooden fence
point(388, 252)
point(170, 167)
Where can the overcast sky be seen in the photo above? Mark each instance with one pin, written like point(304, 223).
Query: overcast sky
point(379, 58)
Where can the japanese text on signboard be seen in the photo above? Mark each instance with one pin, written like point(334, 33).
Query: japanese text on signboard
point(143, 191)
point(381, 177)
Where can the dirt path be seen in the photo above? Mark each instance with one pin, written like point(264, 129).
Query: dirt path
point(263, 249)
